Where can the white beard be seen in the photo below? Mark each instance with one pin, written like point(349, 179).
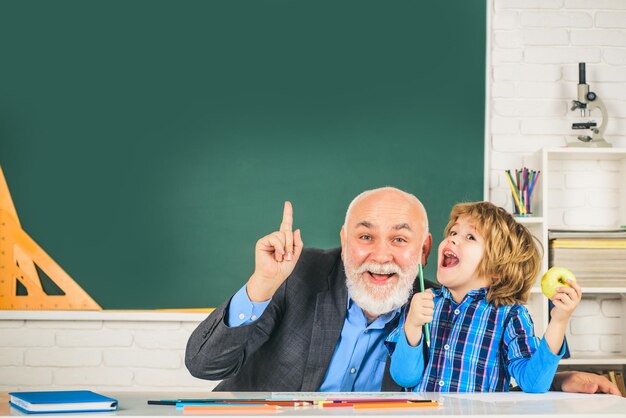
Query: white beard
point(379, 299)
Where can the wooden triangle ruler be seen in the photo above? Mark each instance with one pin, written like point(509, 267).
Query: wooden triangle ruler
point(20, 256)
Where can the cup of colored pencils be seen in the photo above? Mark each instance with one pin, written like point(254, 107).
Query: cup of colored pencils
point(522, 184)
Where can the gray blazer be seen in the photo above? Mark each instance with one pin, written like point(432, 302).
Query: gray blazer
point(290, 346)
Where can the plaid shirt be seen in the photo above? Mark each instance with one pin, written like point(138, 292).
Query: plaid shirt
point(475, 347)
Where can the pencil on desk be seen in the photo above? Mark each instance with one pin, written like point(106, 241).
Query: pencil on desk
point(260, 402)
point(407, 404)
point(230, 407)
point(337, 405)
point(228, 411)
point(382, 403)
point(372, 400)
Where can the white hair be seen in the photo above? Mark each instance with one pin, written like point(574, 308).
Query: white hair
point(366, 193)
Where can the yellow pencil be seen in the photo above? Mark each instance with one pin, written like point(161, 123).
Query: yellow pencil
point(520, 208)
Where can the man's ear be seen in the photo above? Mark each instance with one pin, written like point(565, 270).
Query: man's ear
point(426, 247)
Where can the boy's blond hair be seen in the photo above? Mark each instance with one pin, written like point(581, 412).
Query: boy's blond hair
point(511, 260)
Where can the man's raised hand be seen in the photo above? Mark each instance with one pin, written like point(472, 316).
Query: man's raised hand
point(275, 257)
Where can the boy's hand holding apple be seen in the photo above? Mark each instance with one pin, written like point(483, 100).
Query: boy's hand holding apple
point(559, 285)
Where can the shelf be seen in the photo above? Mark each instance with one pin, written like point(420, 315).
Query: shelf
point(603, 285)
point(529, 220)
point(593, 360)
point(589, 290)
point(578, 185)
point(586, 153)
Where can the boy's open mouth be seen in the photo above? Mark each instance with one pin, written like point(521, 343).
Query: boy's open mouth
point(450, 259)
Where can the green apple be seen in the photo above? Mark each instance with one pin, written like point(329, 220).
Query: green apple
point(554, 278)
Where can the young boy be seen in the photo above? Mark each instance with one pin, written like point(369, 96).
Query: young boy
point(481, 334)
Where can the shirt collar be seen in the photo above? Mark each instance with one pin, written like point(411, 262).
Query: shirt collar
point(476, 294)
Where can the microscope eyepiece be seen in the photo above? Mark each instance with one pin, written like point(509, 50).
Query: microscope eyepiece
point(581, 73)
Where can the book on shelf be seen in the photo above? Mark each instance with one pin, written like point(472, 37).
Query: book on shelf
point(617, 378)
point(588, 243)
point(61, 401)
point(592, 255)
point(616, 233)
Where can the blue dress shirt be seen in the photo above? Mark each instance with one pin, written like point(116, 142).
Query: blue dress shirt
point(242, 310)
point(358, 363)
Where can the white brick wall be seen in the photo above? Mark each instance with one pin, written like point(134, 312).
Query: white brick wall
point(532, 76)
point(535, 47)
point(98, 355)
point(529, 98)
point(596, 327)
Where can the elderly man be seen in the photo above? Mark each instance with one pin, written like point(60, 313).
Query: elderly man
point(315, 320)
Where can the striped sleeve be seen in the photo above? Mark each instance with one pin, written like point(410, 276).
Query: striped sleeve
point(529, 360)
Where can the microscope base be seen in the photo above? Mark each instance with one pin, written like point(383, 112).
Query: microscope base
point(595, 143)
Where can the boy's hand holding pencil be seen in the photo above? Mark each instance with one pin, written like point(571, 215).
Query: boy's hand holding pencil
point(420, 313)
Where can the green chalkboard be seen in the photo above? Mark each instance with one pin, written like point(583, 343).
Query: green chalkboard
point(149, 144)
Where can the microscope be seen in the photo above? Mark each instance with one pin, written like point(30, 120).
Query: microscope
point(587, 101)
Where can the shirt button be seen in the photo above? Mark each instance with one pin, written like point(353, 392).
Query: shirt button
point(446, 347)
point(353, 370)
point(441, 383)
point(365, 332)
point(456, 312)
point(242, 316)
point(253, 317)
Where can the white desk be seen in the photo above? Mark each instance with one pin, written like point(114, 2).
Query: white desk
point(552, 404)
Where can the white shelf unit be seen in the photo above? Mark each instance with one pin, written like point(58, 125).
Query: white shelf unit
point(578, 172)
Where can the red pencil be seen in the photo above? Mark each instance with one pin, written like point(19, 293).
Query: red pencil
point(337, 404)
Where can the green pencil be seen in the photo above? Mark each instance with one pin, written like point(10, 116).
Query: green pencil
point(426, 327)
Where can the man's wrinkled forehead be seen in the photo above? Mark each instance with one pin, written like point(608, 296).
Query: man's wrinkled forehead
point(387, 208)
point(396, 227)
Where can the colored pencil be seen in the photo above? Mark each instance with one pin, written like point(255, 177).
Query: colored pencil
point(183, 405)
point(382, 401)
point(515, 192)
point(261, 402)
point(228, 411)
point(373, 405)
point(230, 407)
point(204, 400)
point(426, 327)
point(371, 400)
point(337, 405)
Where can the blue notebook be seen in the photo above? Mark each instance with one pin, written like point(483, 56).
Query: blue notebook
point(61, 401)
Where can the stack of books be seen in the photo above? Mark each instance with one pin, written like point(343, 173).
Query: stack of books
point(593, 256)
